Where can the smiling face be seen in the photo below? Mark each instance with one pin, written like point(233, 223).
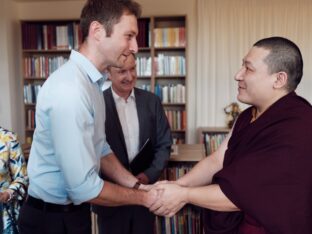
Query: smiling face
point(121, 43)
point(255, 83)
point(124, 79)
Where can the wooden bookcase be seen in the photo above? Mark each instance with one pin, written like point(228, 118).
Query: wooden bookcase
point(46, 46)
point(161, 62)
point(161, 66)
point(188, 219)
point(211, 137)
point(161, 69)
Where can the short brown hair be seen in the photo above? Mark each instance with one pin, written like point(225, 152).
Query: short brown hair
point(106, 12)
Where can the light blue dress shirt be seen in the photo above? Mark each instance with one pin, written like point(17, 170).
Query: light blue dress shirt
point(69, 139)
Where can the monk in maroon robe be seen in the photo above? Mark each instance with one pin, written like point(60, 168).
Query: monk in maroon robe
point(259, 181)
point(267, 169)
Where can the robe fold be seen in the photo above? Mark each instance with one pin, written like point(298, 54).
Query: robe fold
point(267, 172)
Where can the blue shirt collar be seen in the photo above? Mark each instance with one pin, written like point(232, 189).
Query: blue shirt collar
point(94, 74)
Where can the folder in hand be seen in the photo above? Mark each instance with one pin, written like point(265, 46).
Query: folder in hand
point(143, 159)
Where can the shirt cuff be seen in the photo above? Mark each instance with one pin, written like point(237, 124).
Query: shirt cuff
point(106, 150)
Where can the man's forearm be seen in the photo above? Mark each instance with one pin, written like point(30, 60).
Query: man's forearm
point(111, 167)
point(173, 197)
point(115, 195)
point(210, 197)
point(201, 174)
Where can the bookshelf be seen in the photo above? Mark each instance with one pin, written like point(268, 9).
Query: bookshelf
point(188, 219)
point(161, 66)
point(161, 62)
point(46, 46)
point(161, 69)
point(211, 137)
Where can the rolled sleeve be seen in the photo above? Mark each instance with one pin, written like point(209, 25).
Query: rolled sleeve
point(106, 150)
point(90, 188)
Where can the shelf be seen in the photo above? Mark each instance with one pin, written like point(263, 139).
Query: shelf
point(170, 44)
point(170, 77)
point(65, 51)
point(213, 129)
point(169, 48)
point(174, 104)
point(29, 129)
point(35, 78)
point(144, 49)
point(187, 153)
point(43, 34)
point(144, 77)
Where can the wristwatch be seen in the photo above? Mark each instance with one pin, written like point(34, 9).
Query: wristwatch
point(137, 185)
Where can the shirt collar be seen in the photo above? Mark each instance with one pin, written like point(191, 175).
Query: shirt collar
point(117, 98)
point(94, 74)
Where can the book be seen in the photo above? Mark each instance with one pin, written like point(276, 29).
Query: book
point(143, 159)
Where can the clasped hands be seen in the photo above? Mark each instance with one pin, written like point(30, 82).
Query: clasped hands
point(169, 199)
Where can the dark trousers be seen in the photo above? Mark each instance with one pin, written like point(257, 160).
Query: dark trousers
point(33, 220)
point(126, 220)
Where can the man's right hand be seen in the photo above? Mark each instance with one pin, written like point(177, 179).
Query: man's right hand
point(151, 197)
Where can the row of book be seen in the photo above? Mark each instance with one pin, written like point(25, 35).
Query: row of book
point(67, 35)
point(42, 66)
point(146, 87)
point(30, 119)
point(170, 37)
point(212, 141)
point(31, 92)
point(144, 66)
point(187, 220)
point(171, 65)
point(171, 93)
point(168, 94)
point(176, 119)
point(165, 65)
point(51, 36)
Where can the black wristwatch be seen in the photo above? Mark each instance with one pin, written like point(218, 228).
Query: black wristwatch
point(137, 185)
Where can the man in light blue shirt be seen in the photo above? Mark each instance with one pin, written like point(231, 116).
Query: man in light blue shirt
point(69, 145)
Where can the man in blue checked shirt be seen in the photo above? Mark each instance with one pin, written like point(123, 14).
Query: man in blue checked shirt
point(69, 145)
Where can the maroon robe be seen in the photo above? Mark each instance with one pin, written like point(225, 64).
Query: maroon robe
point(267, 172)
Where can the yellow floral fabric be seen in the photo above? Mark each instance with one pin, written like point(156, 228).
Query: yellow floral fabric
point(13, 175)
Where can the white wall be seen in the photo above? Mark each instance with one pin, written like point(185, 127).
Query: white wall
point(35, 10)
point(11, 108)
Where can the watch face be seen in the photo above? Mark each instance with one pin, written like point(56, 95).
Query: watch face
point(137, 185)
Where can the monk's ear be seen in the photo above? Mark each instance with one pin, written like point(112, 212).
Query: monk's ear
point(281, 80)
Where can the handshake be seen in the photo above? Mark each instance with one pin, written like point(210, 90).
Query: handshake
point(165, 198)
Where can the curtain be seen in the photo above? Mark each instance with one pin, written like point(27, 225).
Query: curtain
point(227, 29)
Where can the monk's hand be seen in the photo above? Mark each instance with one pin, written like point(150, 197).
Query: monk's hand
point(172, 198)
point(151, 197)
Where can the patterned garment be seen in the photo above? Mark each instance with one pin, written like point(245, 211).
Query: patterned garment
point(13, 175)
